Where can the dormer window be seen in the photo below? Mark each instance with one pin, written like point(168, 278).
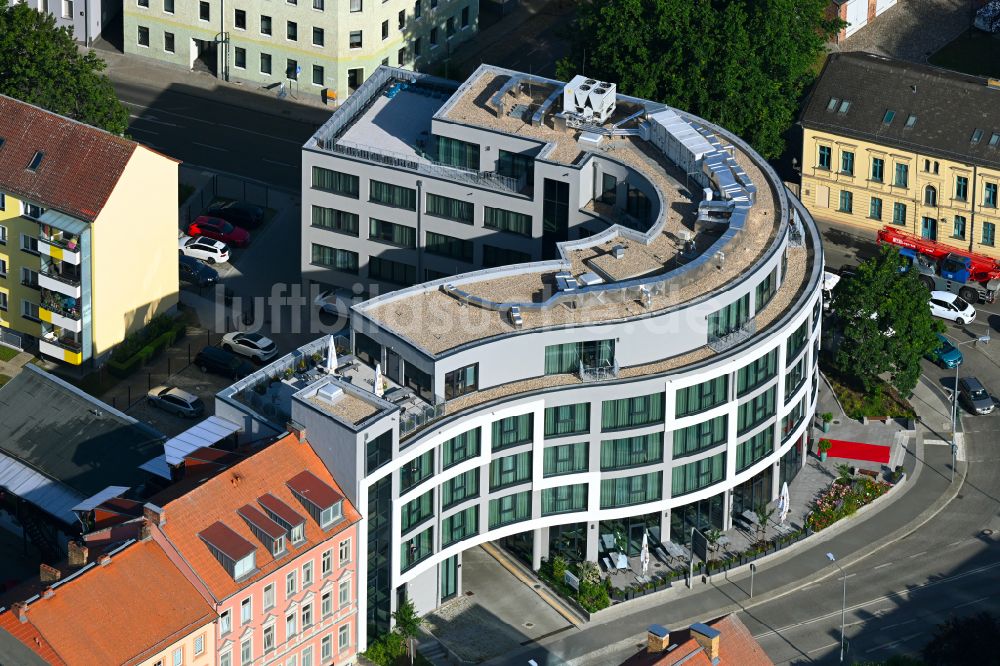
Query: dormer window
point(278, 546)
point(321, 501)
point(36, 161)
point(284, 515)
point(245, 566)
point(270, 533)
point(299, 533)
point(329, 516)
point(237, 555)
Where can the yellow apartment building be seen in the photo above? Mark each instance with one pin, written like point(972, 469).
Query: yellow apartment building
point(88, 235)
point(892, 143)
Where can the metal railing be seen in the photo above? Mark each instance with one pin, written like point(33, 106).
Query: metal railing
point(720, 343)
point(413, 420)
point(48, 272)
point(591, 373)
point(61, 242)
point(60, 310)
point(63, 343)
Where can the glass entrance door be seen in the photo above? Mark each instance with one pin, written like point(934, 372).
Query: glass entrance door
point(449, 578)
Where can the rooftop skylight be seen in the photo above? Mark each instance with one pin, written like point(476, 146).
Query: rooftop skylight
point(36, 161)
point(977, 136)
point(911, 121)
point(889, 115)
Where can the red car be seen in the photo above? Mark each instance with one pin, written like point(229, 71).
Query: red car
point(218, 229)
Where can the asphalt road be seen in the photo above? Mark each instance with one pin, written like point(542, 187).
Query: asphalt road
point(217, 135)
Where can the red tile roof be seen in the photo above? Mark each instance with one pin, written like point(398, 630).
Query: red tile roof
point(80, 167)
point(227, 541)
point(27, 634)
point(120, 612)
point(219, 498)
point(737, 647)
point(307, 486)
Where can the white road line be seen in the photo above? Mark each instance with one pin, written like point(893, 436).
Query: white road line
point(284, 164)
point(205, 145)
point(825, 647)
point(923, 552)
point(140, 129)
point(215, 124)
point(882, 566)
point(894, 643)
point(969, 603)
point(957, 543)
point(893, 626)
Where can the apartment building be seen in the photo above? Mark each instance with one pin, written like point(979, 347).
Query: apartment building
point(309, 48)
point(86, 18)
point(658, 374)
point(893, 143)
point(271, 543)
point(88, 235)
point(857, 14)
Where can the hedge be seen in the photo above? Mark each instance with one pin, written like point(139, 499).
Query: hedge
point(142, 354)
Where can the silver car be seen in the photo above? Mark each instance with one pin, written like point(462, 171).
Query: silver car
point(974, 396)
point(176, 401)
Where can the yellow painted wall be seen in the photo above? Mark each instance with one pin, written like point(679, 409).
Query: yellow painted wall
point(821, 190)
point(187, 645)
point(134, 256)
point(10, 217)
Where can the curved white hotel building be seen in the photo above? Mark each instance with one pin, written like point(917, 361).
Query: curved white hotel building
point(657, 373)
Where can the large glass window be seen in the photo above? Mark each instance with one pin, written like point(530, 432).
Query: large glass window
point(756, 411)
point(507, 220)
point(449, 246)
point(335, 220)
point(416, 471)
point(847, 163)
point(700, 436)
point(388, 270)
point(825, 157)
point(416, 549)
point(878, 169)
point(754, 449)
point(461, 381)
point(417, 511)
point(450, 209)
point(515, 165)
point(366, 349)
point(393, 195)
point(512, 431)
point(899, 213)
point(990, 195)
point(729, 319)
point(698, 474)
point(460, 448)
point(498, 256)
point(510, 509)
point(337, 182)
point(460, 488)
point(563, 499)
point(510, 470)
point(794, 378)
point(454, 152)
point(797, 341)
point(344, 261)
point(392, 233)
point(961, 188)
point(378, 451)
point(757, 373)
point(461, 525)
point(902, 175)
point(565, 459)
point(566, 358)
point(766, 290)
point(632, 412)
point(630, 490)
point(701, 397)
point(793, 419)
point(567, 420)
point(631, 451)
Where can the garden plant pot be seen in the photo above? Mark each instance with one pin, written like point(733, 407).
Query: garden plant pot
point(822, 456)
point(825, 426)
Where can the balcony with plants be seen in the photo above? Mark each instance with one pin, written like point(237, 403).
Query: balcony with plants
point(59, 244)
point(60, 310)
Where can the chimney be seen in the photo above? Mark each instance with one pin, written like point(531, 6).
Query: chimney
point(103, 560)
point(657, 639)
point(47, 574)
point(154, 514)
point(20, 611)
point(78, 554)
point(145, 530)
point(707, 638)
point(296, 429)
point(48, 593)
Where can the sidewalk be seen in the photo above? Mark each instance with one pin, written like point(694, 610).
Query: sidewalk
point(12, 368)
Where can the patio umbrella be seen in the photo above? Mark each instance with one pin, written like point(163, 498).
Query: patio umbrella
point(377, 383)
point(331, 356)
point(784, 502)
point(644, 554)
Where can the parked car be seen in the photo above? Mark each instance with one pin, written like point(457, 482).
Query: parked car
point(176, 401)
point(206, 249)
point(974, 396)
point(254, 345)
point(221, 362)
point(194, 272)
point(950, 306)
point(945, 354)
point(219, 229)
point(240, 213)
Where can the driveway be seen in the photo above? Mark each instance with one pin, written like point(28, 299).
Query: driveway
point(912, 29)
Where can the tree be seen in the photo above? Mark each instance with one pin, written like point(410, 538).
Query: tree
point(764, 514)
point(743, 64)
point(41, 65)
point(885, 322)
point(964, 640)
point(407, 620)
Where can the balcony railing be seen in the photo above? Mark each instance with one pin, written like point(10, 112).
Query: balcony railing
point(599, 372)
point(70, 244)
point(69, 313)
point(65, 343)
point(417, 417)
point(59, 277)
point(720, 343)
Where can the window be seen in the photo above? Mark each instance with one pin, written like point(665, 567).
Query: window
point(990, 195)
point(4, 303)
point(319, 38)
point(416, 549)
point(199, 644)
point(989, 233)
point(417, 511)
point(995, 140)
point(143, 37)
point(899, 214)
point(448, 246)
point(337, 182)
point(29, 278)
point(344, 261)
point(565, 459)
point(307, 574)
point(460, 488)
point(461, 525)
point(269, 596)
point(385, 29)
point(498, 256)
point(825, 157)
point(930, 196)
point(754, 449)
point(344, 593)
point(291, 584)
point(246, 652)
point(240, 19)
point(29, 310)
point(961, 188)
point(568, 357)
point(567, 420)
point(335, 220)
point(512, 431)
point(292, 31)
point(226, 659)
point(977, 136)
point(564, 499)
point(265, 63)
point(168, 7)
point(246, 610)
point(697, 475)
point(434, 37)
point(454, 152)
point(450, 209)
point(459, 448)
point(507, 220)
point(902, 175)
point(875, 208)
point(319, 5)
point(240, 58)
point(510, 509)
point(391, 233)
point(796, 342)
point(326, 604)
point(378, 451)
point(178, 656)
point(630, 490)
point(700, 437)
point(326, 564)
point(265, 25)
point(290, 625)
point(416, 471)
point(204, 11)
point(326, 648)
point(344, 637)
point(847, 163)
point(401, 19)
point(846, 202)
point(754, 412)
point(889, 115)
point(461, 381)
point(449, 27)
point(795, 377)
point(766, 290)
point(67, 9)
point(225, 622)
point(307, 657)
point(465, 17)
point(958, 229)
point(878, 169)
point(632, 412)
point(701, 397)
point(292, 69)
point(355, 75)
point(631, 451)
point(396, 196)
point(168, 42)
point(417, 47)
point(510, 471)
point(730, 319)
point(268, 638)
point(416, 9)
point(356, 5)
point(307, 616)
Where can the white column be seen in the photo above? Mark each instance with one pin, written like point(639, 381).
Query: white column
point(592, 545)
point(536, 550)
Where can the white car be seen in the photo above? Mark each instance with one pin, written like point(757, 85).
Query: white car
point(950, 306)
point(206, 249)
point(254, 345)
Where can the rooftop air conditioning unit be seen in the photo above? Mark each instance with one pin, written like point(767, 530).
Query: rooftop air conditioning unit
point(594, 100)
point(618, 252)
point(684, 235)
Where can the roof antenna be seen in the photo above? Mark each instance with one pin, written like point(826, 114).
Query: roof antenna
point(914, 87)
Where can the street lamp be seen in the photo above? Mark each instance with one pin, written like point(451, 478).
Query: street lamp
point(985, 339)
point(843, 609)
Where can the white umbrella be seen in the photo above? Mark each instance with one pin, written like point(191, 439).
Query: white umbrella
point(331, 356)
point(784, 503)
point(377, 384)
point(644, 554)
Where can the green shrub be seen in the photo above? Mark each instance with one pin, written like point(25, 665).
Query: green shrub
point(385, 649)
point(125, 368)
point(559, 568)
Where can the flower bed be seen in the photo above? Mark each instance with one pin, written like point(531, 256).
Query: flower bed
point(593, 594)
point(843, 498)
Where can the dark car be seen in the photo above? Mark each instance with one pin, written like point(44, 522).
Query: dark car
point(221, 362)
point(974, 396)
point(240, 213)
point(196, 273)
point(214, 227)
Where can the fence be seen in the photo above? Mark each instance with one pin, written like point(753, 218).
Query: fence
point(11, 339)
point(223, 186)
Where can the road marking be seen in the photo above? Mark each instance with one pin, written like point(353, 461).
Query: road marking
point(957, 543)
point(969, 603)
point(894, 643)
point(144, 131)
point(152, 119)
point(898, 624)
point(215, 124)
point(205, 145)
point(825, 647)
point(809, 587)
point(923, 552)
point(284, 164)
point(882, 566)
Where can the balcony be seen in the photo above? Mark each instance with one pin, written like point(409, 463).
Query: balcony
point(61, 349)
point(739, 335)
point(60, 246)
point(60, 311)
point(62, 282)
